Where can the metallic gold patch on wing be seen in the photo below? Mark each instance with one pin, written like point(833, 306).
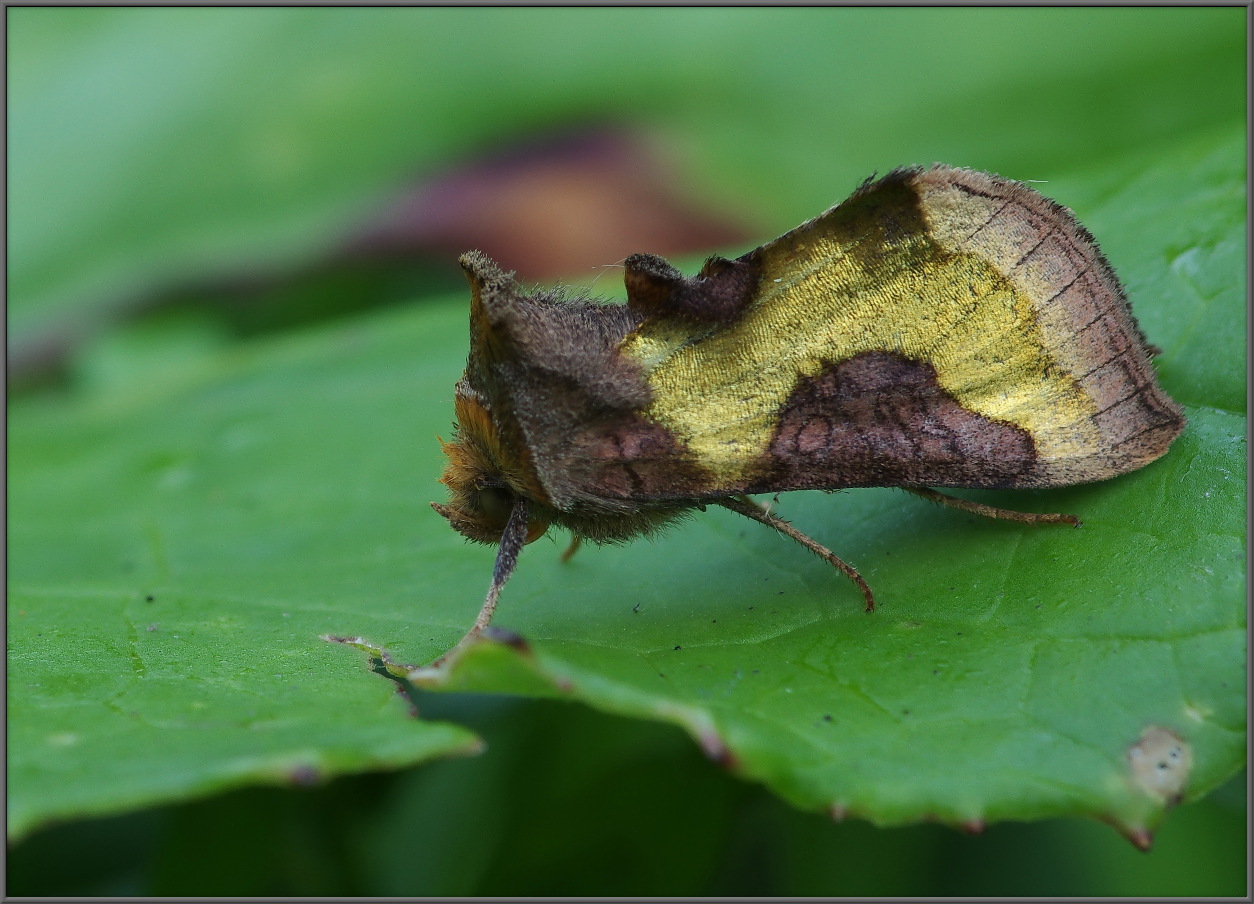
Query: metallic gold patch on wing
point(723, 395)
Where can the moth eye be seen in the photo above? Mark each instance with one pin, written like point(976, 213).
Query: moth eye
point(495, 503)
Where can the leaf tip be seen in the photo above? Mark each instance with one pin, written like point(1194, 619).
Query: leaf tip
point(1142, 839)
point(714, 747)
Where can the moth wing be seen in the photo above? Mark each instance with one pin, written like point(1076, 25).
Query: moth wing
point(941, 327)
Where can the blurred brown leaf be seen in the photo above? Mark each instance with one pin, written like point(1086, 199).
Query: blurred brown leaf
point(553, 206)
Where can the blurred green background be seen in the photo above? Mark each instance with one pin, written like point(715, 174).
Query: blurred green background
point(210, 177)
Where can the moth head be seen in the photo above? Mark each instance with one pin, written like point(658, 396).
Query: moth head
point(478, 473)
point(479, 506)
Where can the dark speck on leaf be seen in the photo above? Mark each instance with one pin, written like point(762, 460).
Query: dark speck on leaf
point(678, 647)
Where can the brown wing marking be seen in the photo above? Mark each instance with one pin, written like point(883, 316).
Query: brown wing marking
point(629, 458)
point(879, 419)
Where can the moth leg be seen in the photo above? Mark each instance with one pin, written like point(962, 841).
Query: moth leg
point(988, 511)
point(575, 542)
point(513, 538)
point(743, 505)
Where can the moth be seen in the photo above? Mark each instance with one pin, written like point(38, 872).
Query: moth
point(940, 328)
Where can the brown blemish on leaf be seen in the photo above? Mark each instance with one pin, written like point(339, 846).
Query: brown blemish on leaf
point(1160, 762)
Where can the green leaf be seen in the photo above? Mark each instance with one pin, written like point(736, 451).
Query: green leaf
point(270, 494)
point(177, 548)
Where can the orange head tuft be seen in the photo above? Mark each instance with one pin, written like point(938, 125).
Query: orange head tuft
point(481, 494)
